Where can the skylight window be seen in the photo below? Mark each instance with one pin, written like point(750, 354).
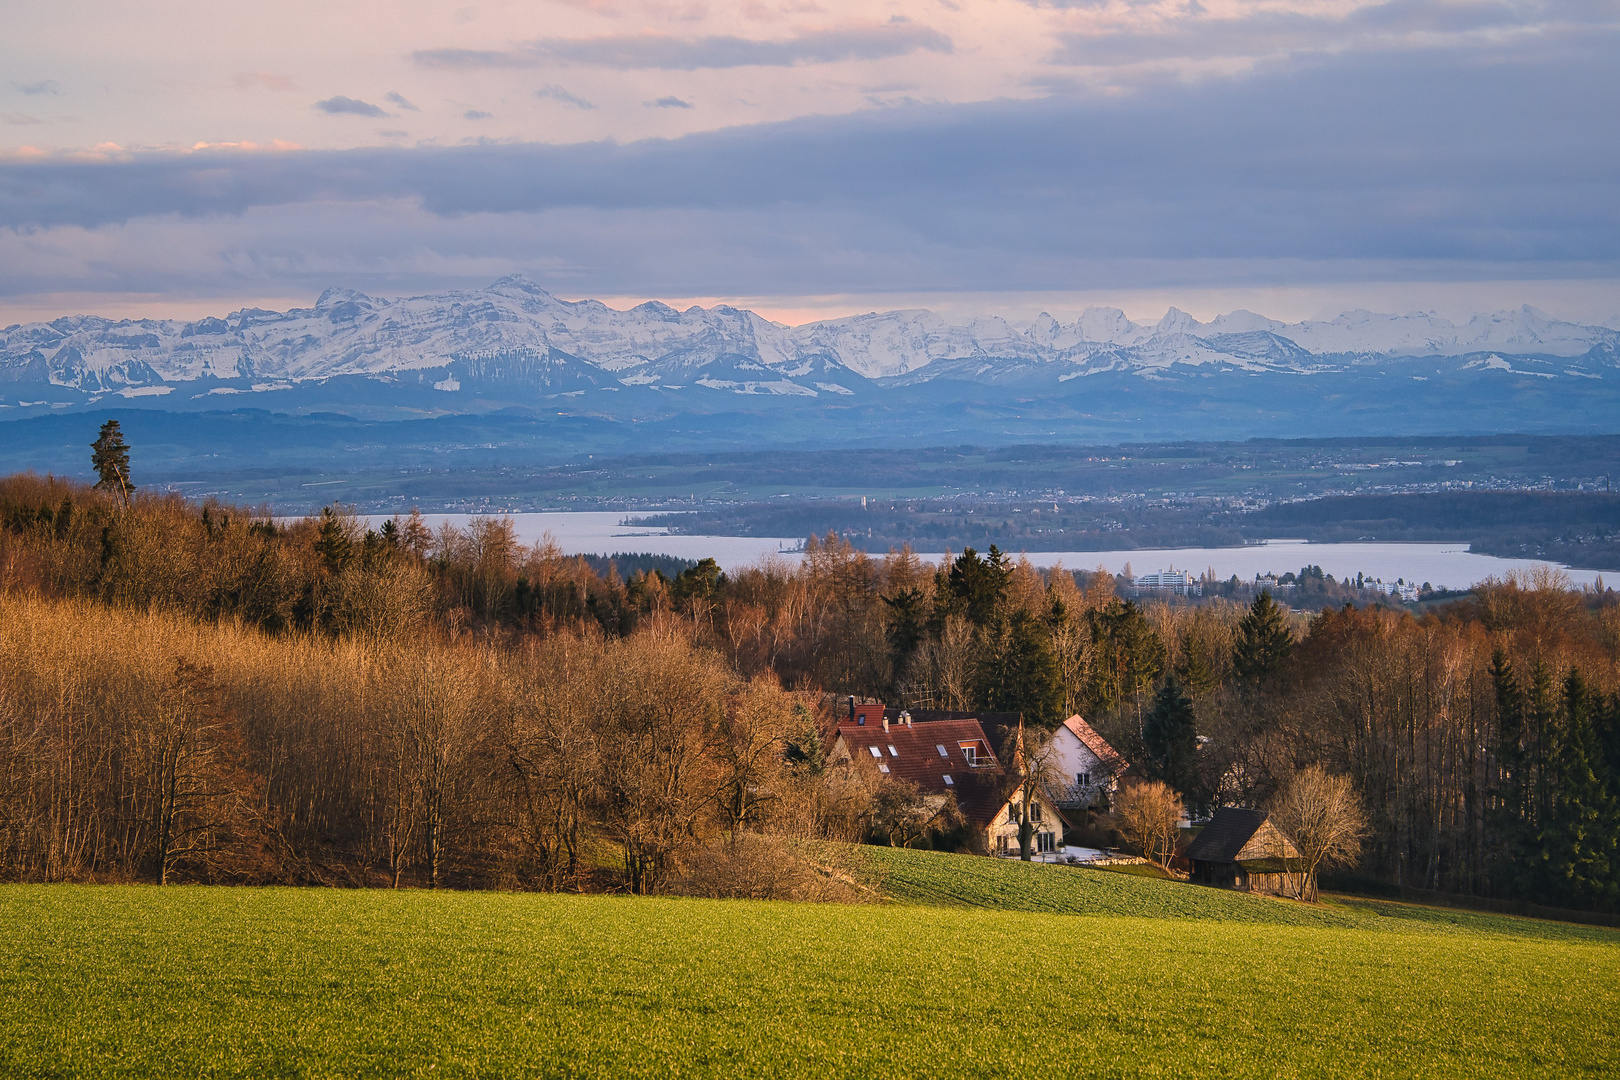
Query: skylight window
point(882, 767)
point(942, 751)
point(948, 781)
point(892, 751)
point(875, 751)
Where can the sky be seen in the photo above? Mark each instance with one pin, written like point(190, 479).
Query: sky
point(811, 159)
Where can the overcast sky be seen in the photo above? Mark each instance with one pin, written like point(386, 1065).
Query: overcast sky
point(1296, 157)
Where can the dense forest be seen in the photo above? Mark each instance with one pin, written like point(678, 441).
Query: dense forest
point(194, 691)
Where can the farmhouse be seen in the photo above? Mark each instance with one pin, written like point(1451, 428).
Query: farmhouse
point(949, 760)
point(1089, 768)
point(1242, 849)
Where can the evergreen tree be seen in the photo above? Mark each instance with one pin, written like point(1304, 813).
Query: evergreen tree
point(110, 458)
point(1541, 741)
point(1264, 640)
point(332, 543)
point(1581, 841)
point(1606, 725)
point(1198, 668)
point(906, 625)
point(1512, 813)
point(1127, 656)
point(974, 586)
point(701, 582)
point(1017, 672)
point(1170, 738)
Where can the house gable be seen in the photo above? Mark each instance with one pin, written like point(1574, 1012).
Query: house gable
point(1084, 737)
point(1238, 834)
point(1268, 842)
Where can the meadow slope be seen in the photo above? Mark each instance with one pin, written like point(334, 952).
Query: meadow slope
point(141, 981)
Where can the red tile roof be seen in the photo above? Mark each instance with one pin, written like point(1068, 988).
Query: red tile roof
point(916, 758)
point(1097, 745)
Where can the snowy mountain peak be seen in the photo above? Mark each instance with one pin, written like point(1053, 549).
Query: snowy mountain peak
point(1109, 325)
point(517, 283)
point(1176, 321)
point(331, 298)
point(515, 330)
point(1244, 322)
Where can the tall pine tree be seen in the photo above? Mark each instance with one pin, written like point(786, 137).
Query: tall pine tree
point(1127, 655)
point(1264, 640)
point(1017, 671)
point(1582, 833)
point(110, 458)
point(1170, 738)
point(1511, 816)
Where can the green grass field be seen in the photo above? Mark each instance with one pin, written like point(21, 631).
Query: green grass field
point(1155, 979)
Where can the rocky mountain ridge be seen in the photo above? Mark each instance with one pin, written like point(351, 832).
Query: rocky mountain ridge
point(516, 338)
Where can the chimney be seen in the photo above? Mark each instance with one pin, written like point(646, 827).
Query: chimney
point(885, 723)
point(862, 720)
point(905, 718)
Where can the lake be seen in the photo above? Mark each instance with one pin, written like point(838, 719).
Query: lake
point(1448, 565)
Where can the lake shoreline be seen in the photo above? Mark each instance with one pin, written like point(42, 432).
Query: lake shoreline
point(1444, 565)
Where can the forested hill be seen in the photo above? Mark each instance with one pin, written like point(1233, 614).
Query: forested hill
point(339, 705)
point(1438, 515)
point(1575, 528)
point(1581, 529)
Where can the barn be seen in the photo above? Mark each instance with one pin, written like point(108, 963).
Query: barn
point(1242, 849)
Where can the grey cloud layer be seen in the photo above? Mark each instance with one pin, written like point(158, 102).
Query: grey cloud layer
point(341, 106)
point(558, 93)
point(1197, 35)
point(630, 52)
point(1440, 162)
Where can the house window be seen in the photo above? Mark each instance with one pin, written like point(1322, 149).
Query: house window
point(875, 751)
point(1083, 779)
point(1035, 811)
point(942, 751)
point(1001, 845)
point(892, 751)
point(882, 767)
point(1046, 841)
point(948, 781)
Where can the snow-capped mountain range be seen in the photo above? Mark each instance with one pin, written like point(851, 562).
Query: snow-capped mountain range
point(515, 339)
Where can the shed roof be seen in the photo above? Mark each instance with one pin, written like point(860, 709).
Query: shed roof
point(1237, 833)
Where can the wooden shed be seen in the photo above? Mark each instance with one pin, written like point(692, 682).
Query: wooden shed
point(1242, 849)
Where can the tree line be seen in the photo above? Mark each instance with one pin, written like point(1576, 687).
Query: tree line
point(198, 689)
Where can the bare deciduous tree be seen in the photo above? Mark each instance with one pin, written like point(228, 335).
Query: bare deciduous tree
point(1148, 815)
point(943, 667)
point(201, 794)
point(1322, 815)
